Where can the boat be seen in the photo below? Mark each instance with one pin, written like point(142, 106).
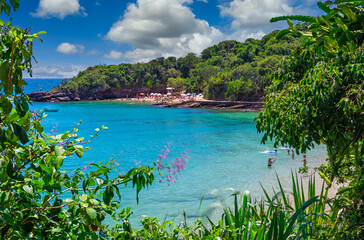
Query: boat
point(50, 110)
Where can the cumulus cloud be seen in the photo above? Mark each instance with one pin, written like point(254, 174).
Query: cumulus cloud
point(162, 27)
point(55, 71)
point(115, 55)
point(67, 48)
point(243, 35)
point(251, 18)
point(58, 8)
point(255, 13)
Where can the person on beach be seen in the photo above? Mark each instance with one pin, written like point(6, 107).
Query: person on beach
point(304, 161)
point(270, 161)
point(292, 154)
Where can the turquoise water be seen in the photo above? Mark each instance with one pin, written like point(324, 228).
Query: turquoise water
point(224, 150)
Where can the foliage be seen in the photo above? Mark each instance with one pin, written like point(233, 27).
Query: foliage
point(305, 216)
point(317, 97)
point(38, 199)
point(241, 67)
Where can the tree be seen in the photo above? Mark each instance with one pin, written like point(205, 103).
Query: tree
point(317, 96)
point(38, 199)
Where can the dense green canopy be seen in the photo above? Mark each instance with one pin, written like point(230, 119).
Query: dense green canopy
point(317, 96)
point(229, 70)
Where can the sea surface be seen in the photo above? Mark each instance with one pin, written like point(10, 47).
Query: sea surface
point(224, 150)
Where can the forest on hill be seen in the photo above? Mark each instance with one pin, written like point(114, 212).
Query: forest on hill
point(230, 70)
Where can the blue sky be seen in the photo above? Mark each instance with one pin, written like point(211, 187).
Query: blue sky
point(82, 33)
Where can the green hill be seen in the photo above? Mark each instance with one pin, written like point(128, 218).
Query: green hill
point(230, 70)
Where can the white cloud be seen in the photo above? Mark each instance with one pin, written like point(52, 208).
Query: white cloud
point(115, 55)
point(67, 48)
point(242, 35)
point(162, 28)
point(55, 71)
point(58, 8)
point(255, 13)
point(251, 18)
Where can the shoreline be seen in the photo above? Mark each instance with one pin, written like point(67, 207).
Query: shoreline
point(196, 102)
point(245, 106)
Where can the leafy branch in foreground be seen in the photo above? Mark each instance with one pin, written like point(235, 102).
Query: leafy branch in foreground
point(317, 97)
point(38, 199)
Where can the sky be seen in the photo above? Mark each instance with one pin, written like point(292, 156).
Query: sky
point(83, 33)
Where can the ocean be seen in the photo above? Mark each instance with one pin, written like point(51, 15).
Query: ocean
point(224, 150)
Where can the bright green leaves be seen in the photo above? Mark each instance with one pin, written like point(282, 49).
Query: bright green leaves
point(37, 196)
point(59, 150)
point(91, 213)
point(317, 97)
point(79, 150)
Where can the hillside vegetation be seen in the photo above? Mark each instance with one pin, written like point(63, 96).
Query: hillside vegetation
point(230, 70)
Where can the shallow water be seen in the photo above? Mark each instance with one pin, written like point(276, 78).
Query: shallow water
point(224, 152)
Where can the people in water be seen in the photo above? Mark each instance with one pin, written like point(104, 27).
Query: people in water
point(270, 161)
point(292, 154)
point(304, 161)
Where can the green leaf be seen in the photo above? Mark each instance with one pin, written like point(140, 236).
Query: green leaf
point(58, 162)
point(324, 7)
point(2, 23)
point(2, 134)
point(91, 213)
point(6, 8)
point(38, 126)
point(79, 150)
point(19, 132)
point(10, 169)
point(283, 33)
point(15, 4)
point(6, 105)
point(59, 150)
point(28, 189)
point(23, 136)
point(108, 195)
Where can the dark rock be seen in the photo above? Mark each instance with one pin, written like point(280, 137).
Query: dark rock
point(64, 99)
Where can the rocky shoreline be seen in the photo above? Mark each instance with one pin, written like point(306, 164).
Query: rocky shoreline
point(41, 96)
point(211, 104)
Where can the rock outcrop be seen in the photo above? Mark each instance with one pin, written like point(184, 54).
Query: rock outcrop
point(102, 94)
point(235, 105)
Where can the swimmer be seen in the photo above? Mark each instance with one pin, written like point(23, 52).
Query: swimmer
point(304, 161)
point(270, 162)
point(288, 151)
point(276, 151)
